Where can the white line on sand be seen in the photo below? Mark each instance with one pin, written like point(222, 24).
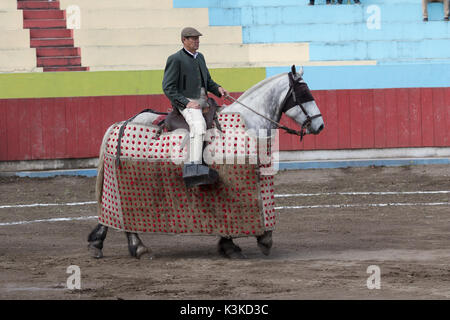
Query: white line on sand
point(365, 205)
point(47, 204)
point(276, 196)
point(46, 220)
point(276, 208)
point(359, 193)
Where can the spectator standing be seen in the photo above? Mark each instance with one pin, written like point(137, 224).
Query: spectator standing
point(311, 2)
point(356, 2)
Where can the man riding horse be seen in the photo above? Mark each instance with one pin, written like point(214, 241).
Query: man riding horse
point(131, 202)
point(186, 83)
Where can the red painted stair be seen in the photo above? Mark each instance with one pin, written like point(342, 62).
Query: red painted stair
point(53, 69)
point(28, 4)
point(44, 23)
point(58, 52)
point(54, 43)
point(58, 61)
point(44, 14)
point(51, 33)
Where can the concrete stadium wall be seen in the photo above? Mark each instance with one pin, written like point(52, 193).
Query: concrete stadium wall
point(140, 35)
point(15, 52)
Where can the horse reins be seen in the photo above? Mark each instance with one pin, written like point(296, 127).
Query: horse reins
point(291, 91)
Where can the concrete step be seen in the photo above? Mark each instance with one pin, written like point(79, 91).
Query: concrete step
point(52, 42)
point(269, 3)
point(144, 18)
point(51, 33)
point(44, 23)
point(119, 4)
point(62, 69)
point(279, 14)
point(44, 14)
point(345, 32)
point(11, 20)
point(58, 61)
point(18, 60)
point(58, 52)
point(9, 5)
point(230, 55)
point(14, 39)
point(140, 36)
point(381, 50)
point(37, 4)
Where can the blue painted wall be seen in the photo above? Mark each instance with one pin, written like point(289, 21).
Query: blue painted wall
point(408, 51)
point(373, 77)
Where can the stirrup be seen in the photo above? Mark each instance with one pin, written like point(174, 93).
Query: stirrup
point(198, 174)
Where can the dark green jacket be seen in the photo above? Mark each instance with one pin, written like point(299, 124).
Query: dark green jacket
point(183, 80)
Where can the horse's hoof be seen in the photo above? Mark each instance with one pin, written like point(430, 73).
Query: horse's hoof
point(231, 254)
point(140, 251)
point(229, 250)
point(236, 255)
point(265, 242)
point(95, 252)
point(144, 251)
point(264, 248)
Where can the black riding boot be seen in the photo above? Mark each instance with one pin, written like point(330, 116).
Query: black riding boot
point(198, 174)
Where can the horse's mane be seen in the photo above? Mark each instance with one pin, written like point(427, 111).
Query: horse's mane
point(260, 84)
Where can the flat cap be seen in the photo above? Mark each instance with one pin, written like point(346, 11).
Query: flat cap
point(190, 32)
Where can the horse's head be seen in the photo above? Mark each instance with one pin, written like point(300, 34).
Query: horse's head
point(299, 104)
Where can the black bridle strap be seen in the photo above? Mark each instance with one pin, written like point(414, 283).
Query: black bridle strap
point(294, 96)
point(291, 90)
point(279, 125)
point(309, 118)
point(261, 115)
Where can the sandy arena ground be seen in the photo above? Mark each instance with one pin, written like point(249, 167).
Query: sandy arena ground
point(319, 253)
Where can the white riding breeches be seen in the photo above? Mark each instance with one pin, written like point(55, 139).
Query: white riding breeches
point(197, 128)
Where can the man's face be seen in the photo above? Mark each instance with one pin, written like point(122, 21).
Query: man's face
point(191, 43)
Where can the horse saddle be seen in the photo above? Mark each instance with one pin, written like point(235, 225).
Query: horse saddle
point(193, 174)
point(175, 120)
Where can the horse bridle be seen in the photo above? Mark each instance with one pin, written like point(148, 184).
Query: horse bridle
point(298, 89)
point(295, 86)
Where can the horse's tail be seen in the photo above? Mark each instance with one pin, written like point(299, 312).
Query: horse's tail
point(99, 183)
point(100, 171)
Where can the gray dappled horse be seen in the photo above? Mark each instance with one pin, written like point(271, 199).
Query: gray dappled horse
point(284, 93)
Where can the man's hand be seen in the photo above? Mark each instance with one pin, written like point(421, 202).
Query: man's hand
point(193, 105)
point(223, 92)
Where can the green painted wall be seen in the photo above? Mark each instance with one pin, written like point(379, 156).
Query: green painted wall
point(111, 83)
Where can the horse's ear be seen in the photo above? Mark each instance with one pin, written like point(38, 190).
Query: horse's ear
point(301, 71)
point(293, 69)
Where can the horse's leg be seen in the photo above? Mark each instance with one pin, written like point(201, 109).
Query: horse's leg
point(136, 247)
point(265, 242)
point(95, 239)
point(229, 249)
